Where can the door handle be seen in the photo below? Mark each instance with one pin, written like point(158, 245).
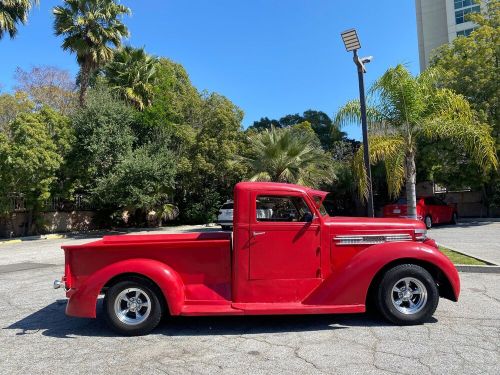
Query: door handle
point(255, 234)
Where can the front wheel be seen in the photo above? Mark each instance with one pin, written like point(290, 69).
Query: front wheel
point(132, 307)
point(407, 295)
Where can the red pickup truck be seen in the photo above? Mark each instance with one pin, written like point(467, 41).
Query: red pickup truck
point(286, 256)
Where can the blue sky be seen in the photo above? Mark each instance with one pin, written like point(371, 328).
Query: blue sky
point(270, 57)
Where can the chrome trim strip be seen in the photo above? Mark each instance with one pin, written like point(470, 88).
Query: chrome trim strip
point(371, 239)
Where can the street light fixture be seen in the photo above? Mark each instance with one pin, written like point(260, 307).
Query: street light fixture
point(351, 42)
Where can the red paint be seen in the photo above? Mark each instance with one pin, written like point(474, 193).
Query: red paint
point(439, 211)
point(272, 267)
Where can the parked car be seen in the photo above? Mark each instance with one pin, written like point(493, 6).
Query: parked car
point(430, 210)
point(225, 218)
point(291, 258)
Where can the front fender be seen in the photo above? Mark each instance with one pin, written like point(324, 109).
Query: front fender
point(349, 285)
point(82, 302)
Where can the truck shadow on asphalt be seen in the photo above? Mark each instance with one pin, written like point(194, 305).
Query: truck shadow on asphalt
point(51, 321)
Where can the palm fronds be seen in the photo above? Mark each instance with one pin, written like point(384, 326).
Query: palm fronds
point(13, 12)
point(282, 155)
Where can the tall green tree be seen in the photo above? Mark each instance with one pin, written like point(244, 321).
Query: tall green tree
point(13, 12)
point(288, 155)
point(90, 29)
point(470, 66)
point(142, 181)
point(320, 122)
point(104, 135)
point(208, 169)
point(404, 109)
point(175, 108)
point(13, 104)
point(131, 74)
point(32, 150)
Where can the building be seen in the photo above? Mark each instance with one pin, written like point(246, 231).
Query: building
point(441, 21)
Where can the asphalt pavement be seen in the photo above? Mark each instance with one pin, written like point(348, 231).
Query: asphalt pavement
point(477, 237)
point(37, 338)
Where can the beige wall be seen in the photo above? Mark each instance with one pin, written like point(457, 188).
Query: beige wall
point(469, 203)
point(436, 26)
point(53, 222)
point(432, 27)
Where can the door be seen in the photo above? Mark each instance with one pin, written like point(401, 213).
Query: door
point(284, 238)
point(446, 211)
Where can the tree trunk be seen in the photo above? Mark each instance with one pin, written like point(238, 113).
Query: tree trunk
point(84, 83)
point(411, 178)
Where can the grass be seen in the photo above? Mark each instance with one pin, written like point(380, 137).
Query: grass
point(458, 258)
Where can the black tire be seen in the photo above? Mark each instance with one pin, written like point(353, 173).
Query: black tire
point(119, 323)
point(454, 218)
point(428, 221)
point(387, 299)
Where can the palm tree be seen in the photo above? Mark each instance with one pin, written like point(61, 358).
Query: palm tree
point(132, 73)
point(11, 13)
point(286, 155)
point(403, 109)
point(89, 28)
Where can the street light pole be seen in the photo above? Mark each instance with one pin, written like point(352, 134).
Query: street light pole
point(351, 42)
point(364, 127)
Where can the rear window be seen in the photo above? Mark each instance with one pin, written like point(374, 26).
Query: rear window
point(227, 206)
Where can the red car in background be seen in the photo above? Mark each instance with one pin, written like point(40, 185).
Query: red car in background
point(430, 210)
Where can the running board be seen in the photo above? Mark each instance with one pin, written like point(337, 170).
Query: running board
point(269, 309)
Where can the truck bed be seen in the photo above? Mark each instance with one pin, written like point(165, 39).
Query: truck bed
point(202, 260)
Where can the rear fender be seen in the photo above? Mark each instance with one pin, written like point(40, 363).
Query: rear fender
point(82, 302)
point(349, 285)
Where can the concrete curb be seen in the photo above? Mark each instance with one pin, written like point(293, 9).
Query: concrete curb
point(487, 261)
point(477, 269)
point(54, 236)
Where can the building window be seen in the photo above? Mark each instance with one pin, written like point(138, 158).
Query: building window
point(460, 15)
point(459, 4)
point(465, 32)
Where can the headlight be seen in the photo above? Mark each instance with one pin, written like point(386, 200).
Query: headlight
point(420, 234)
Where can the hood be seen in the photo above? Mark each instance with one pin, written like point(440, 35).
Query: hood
point(365, 228)
point(363, 223)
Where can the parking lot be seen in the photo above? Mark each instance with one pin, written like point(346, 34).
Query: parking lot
point(477, 237)
point(36, 337)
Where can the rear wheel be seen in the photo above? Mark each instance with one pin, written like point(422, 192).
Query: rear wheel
point(428, 222)
point(132, 307)
point(407, 295)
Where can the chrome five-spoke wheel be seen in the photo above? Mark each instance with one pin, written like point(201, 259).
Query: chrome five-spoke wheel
point(132, 306)
point(409, 295)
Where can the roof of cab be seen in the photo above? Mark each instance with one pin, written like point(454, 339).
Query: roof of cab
point(258, 185)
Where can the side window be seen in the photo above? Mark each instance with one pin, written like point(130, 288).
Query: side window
point(441, 202)
point(281, 208)
point(430, 201)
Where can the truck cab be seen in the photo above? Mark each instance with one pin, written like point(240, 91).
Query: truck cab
point(286, 256)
